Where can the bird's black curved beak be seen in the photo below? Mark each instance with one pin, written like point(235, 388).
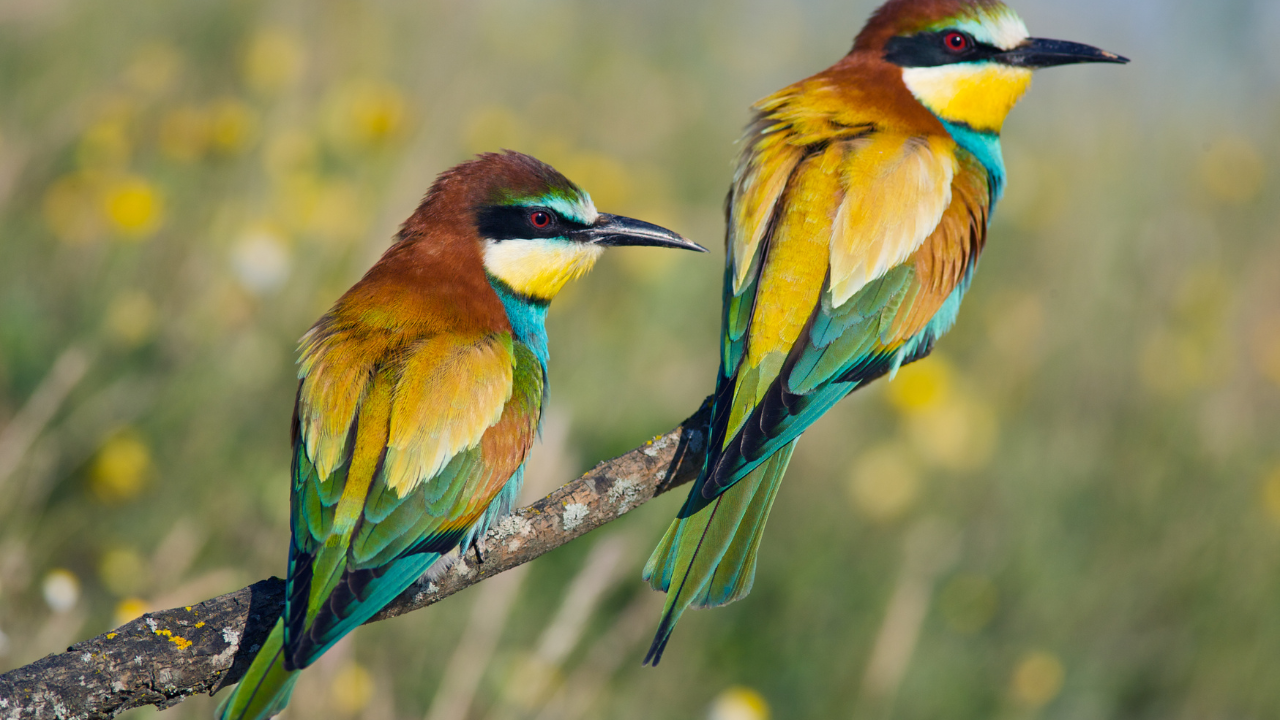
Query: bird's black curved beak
point(616, 231)
point(1042, 53)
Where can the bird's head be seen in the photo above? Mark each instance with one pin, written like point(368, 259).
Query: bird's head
point(968, 61)
point(537, 229)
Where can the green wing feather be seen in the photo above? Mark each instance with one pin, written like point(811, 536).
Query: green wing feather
point(708, 554)
point(359, 539)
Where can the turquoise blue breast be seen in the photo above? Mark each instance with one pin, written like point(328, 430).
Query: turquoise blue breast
point(986, 148)
point(528, 320)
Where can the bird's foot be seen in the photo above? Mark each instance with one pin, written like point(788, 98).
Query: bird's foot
point(478, 545)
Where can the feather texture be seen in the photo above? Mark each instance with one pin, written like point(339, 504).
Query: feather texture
point(420, 394)
point(855, 221)
point(418, 401)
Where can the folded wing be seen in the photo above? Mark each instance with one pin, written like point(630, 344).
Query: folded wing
point(865, 242)
point(430, 455)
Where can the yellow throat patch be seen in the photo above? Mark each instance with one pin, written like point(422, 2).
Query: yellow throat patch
point(539, 268)
point(978, 95)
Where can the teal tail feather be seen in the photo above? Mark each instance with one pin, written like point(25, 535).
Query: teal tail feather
point(265, 688)
point(708, 557)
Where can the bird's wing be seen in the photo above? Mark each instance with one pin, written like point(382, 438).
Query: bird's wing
point(864, 242)
point(437, 429)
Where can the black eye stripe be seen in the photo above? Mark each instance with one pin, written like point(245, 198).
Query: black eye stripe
point(930, 49)
point(514, 222)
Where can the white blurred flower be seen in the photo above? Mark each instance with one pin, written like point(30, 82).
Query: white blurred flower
point(261, 261)
point(61, 590)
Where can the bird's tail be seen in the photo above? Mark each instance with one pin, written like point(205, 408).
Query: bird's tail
point(265, 688)
point(708, 556)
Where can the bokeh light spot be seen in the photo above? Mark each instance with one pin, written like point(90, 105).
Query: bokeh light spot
point(130, 609)
point(352, 689)
point(739, 703)
point(133, 206)
point(922, 385)
point(1037, 679)
point(885, 484)
point(365, 114)
point(1271, 495)
point(121, 468)
point(290, 152)
point(1232, 170)
point(155, 68)
point(339, 212)
point(122, 571)
point(61, 589)
point(185, 133)
point(261, 260)
point(105, 146)
point(959, 435)
point(233, 125)
point(131, 318)
point(273, 61)
point(1170, 363)
point(1265, 346)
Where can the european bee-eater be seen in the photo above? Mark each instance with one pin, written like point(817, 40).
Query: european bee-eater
point(855, 220)
point(420, 395)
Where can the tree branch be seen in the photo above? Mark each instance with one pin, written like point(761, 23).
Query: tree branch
point(165, 657)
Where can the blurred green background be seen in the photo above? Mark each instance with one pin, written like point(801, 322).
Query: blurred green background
point(1071, 511)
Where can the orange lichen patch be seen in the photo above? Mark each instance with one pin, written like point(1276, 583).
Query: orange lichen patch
point(111, 636)
point(178, 640)
point(200, 624)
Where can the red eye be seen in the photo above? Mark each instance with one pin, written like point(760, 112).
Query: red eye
point(540, 218)
point(956, 41)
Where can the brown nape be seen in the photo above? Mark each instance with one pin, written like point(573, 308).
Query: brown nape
point(904, 17)
point(867, 80)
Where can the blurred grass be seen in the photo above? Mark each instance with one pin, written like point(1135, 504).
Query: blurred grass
point(1080, 493)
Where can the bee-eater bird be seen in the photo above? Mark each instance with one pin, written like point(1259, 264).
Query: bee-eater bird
point(420, 395)
point(855, 220)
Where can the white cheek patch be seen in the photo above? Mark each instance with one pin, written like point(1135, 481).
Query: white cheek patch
point(539, 268)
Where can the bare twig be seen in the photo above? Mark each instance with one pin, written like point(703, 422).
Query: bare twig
point(164, 657)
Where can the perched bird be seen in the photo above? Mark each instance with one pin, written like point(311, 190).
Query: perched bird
point(421, 392)
point(855, 220)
